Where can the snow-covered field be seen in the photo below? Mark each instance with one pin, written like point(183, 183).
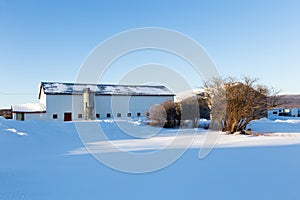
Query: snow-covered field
point(46, 160)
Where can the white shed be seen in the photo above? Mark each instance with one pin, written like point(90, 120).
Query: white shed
point(75, 101)
point(28, 111)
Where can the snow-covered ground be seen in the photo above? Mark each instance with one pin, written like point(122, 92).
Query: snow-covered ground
point(46, 160)
point(280, 124)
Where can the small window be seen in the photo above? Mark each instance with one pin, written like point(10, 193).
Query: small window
point(79, 116)
point(108, 115)
point(147, 114)
point(128, 114)
point(55, 116)
point(286, 110)
point(119, 115)
point(138, 114)
point(275, 113)
point(97, 115)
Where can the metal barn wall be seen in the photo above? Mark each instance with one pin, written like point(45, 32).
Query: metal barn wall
point(32, 116)
point(126, 104)
point(35, 116)
point(60, 104)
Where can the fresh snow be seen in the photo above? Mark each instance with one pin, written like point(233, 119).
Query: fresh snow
point(103, 89)
point(49, 161)
point(16, 132)
point(29, 107)
point(282, 124)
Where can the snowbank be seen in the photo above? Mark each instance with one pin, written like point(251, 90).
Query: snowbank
point(29, 107)
point(49, 162)
point(284, 125)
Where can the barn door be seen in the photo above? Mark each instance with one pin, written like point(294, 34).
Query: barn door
point(20, 116)
point(67, 117)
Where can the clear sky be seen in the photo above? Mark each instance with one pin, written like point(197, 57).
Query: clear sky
point(49, 40)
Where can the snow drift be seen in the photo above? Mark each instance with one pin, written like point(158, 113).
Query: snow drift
point(46, 160)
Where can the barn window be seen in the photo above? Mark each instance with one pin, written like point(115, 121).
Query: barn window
point(97, 115)
point(108, 115)
point(54, 116)
point(128, 114)
point(79, 116)
point(119, 115)
point(138, 114)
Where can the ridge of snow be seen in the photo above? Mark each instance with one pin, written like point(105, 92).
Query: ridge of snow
point(77, 88)
point(29, 107)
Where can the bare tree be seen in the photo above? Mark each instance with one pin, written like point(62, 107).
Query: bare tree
point(158, 115)
point(216, 100)
point(274, 99)
point(165, 114)
point(234, 104)
point(169, 114)
point(169, 107)
point(190, 110)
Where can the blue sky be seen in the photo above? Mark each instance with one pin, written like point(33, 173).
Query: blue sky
point(49, 40)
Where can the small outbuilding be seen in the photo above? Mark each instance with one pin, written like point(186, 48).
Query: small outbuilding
point(28, 111)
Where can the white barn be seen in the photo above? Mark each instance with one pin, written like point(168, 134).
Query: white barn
point(32, 111)
point(75, 101)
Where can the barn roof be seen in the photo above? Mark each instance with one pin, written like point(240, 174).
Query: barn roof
point(104, 89)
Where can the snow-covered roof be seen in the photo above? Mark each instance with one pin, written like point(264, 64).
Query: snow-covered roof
point(104, 89)
point(29, 107)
